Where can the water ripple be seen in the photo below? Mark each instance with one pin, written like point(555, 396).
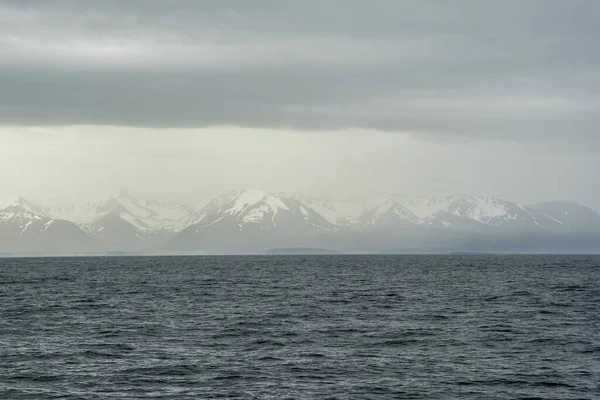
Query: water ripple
point(360, 327)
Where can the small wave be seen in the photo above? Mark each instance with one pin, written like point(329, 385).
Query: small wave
point(164, 370)
point(590, 350)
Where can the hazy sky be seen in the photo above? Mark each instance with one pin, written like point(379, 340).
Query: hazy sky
point(183, 99)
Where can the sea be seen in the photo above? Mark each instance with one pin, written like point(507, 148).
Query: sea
point(300, 327)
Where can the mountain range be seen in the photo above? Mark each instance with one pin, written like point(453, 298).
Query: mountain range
point(252, 221)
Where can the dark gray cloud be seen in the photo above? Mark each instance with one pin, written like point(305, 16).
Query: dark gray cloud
point(516, 70)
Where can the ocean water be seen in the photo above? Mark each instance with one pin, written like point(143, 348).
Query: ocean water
point(300, 327)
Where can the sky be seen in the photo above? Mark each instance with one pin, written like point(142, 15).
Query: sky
point(184, 99)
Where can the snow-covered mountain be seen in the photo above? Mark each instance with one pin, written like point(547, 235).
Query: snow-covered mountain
point(338, 212)
point(252, 220)
point(571, 217)
point(387, 214)
point(145, 215)
point(123, 222)
point(467, 211)
point(24, 229)
point(249, 219)
point(480, 212)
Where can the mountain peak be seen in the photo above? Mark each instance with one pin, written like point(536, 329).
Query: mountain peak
point(22, 202)
point(19, 201)
point(250, 197)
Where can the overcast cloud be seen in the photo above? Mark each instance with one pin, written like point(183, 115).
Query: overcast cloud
point(400, 86)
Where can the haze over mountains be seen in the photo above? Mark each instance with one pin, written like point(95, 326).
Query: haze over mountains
point(252, 221)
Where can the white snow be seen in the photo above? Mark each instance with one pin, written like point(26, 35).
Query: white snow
point(425, 207)
point(214, 222)
point(342, 212)
point(84, 212)
point(250, 198)
point(485, 207)
point(134, 221)
point(257, 214)
point(26, 226)
point(262, 209)
point(253, 206)
point(6, 216)
point(478, 207)
point(258, 207)
point(417, 209)
point(47, 224)
point(143, 214)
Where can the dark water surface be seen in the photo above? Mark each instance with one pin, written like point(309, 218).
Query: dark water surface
point(360, 327)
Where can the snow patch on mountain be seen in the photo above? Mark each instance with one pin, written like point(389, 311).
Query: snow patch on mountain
point(257, 218)
point(339, 212)
point(477, 207)
point(425, 207)
point(145, 215)
point(19, 214)
point(254, 209)
point(246, 205)
point(389, 213)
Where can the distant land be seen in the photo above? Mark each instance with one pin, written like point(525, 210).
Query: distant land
point(299, 251)
point(257, 222)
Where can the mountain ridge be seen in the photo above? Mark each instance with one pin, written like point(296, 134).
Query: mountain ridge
point(251, 220)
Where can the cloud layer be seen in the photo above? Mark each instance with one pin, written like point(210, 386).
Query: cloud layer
point(515, 70)
point(182, 99)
